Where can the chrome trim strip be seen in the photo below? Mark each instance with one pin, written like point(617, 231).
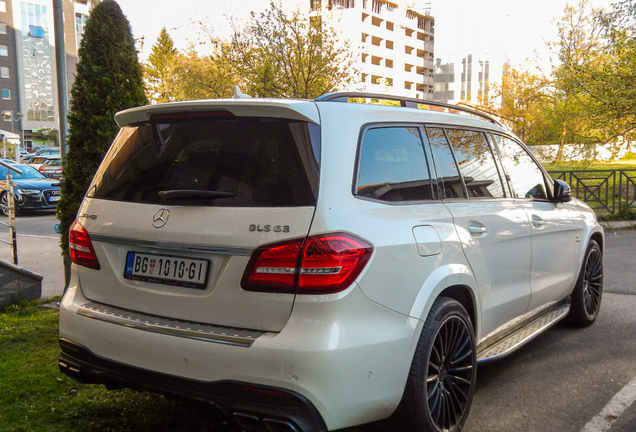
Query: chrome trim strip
point(185, 247)
point(172, 327)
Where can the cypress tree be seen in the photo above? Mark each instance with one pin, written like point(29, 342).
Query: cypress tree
point(109, 79)
point(160, 70)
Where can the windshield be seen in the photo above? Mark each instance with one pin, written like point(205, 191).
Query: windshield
point(28, 173)
point(212, 159)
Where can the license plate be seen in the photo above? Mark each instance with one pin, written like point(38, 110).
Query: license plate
point(166, 269)
point(54, 198)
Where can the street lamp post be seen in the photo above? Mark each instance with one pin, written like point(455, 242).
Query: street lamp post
point(18, 117)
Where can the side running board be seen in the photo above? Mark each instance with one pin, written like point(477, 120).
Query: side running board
point(523, 335)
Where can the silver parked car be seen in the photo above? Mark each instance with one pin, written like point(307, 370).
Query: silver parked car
point(52, 168)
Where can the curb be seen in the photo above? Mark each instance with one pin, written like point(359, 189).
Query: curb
point(614, 225)
point(18, 283)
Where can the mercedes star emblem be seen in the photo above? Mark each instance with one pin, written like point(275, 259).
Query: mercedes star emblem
point(160, 218)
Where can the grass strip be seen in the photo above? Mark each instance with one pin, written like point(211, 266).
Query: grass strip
point(36, 396)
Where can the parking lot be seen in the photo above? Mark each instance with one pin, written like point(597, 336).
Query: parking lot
point(567, 380)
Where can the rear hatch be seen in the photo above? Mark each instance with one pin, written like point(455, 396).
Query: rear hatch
point(185, 195)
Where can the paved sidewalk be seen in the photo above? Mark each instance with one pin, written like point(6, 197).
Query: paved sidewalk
point(41, 255)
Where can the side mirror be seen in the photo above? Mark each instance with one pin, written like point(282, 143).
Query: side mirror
point(562, 191)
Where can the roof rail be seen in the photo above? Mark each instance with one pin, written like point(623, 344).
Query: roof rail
point(406, 102)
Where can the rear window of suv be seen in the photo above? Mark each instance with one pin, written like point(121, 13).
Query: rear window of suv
point(212, 159)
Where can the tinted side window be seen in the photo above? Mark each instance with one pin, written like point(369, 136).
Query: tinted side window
point(476, 163)
point(392, 165)
point(525, 176)
point(450, 182)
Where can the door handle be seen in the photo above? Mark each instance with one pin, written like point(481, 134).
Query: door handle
point(477, 229)
point(537, 222)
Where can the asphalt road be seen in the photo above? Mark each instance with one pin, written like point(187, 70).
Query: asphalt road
point(566, 380)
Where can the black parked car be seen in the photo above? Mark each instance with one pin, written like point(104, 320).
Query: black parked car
point(32, 190)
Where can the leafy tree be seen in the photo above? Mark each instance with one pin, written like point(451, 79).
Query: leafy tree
point(523, 98)
point(109, 79)
point(610, 81)
point(557, 107)
point(280, 55)
point(159, 73)
point(203, 77)
point(576, 50)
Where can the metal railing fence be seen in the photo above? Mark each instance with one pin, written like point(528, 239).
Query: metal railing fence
point(610, 191)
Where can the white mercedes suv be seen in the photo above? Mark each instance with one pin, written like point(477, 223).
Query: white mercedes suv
point(310, 265)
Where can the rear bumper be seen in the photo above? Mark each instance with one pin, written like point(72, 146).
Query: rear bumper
point(254, 407)
point(340, 361)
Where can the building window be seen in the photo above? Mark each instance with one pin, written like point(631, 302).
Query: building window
point(4, 72)
point(4, 50)
point(3, 28)
point(36, 31)
point(38, 62)
point(6, 94)
point(3, 6)
point(80, 24)
point(34, 20)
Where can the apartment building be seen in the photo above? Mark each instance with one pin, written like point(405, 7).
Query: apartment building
point(469, 80)
point(28, 65)
point(393, 42)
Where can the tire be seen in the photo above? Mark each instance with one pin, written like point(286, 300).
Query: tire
point(4, 204)
point(441, 383)
point(588, 291)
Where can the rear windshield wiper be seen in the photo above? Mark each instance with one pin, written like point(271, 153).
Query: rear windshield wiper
point(192, 194)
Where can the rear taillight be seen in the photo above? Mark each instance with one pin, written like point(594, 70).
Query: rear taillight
point(322, 264)
point(81, 248)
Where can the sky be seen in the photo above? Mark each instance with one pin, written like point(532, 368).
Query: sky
point(509, 29)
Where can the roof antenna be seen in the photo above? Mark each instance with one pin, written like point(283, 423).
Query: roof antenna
point(239, 95)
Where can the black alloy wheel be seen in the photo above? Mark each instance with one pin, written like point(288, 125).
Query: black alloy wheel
point(441, 383)
point(4, 203)
point(593, 282)
point(450, 370)
point(588, 291)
